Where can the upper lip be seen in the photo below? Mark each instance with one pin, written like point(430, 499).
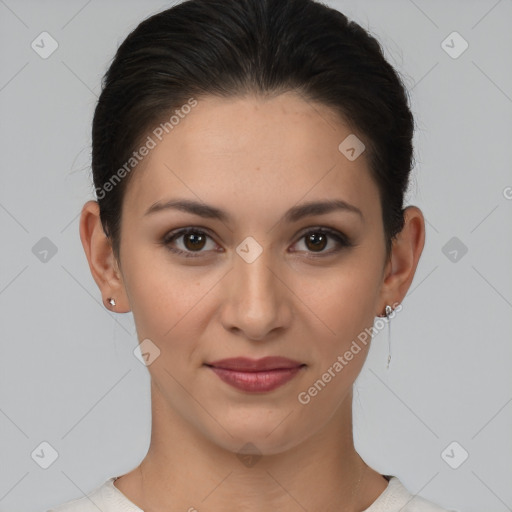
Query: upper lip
point(255, 365)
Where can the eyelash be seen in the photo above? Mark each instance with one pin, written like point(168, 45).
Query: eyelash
point(342, 240)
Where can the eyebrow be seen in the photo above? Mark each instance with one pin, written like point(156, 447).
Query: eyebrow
point(292, 215)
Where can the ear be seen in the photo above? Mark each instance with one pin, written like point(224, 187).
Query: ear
point(405, 253)
point(104, 267)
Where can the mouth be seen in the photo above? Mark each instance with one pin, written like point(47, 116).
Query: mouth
point(256, 375)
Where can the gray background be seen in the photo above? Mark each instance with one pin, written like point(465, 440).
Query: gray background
point(68, 373)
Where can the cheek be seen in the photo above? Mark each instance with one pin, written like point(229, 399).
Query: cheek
point(171, 304)
point(162, 295)
point(344, 301)
point(343, 298)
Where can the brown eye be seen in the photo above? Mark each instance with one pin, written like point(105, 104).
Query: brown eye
point(316, 241)
point(193, 241)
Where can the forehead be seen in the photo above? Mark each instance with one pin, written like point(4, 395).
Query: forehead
point(258, 150)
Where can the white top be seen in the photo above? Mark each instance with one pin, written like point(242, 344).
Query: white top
point(108, 498)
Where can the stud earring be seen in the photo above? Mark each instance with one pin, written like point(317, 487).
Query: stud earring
point(112, 301)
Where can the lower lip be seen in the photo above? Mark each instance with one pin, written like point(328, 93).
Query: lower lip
point(256, 381)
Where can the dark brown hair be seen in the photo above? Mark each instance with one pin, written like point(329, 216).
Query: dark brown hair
point(235, 47)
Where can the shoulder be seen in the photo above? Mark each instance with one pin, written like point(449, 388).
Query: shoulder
point(397, 497)
point(106, 497)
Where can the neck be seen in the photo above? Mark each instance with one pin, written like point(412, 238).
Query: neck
point(184, 470)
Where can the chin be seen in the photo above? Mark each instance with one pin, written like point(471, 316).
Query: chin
point(256, 436)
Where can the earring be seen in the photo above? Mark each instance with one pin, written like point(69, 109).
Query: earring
point(389, 310)
point(387, 314)
point(112, 301)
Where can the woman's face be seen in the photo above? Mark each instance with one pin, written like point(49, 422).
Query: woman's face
point(260, 281)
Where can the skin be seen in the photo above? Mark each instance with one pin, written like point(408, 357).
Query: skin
point(286, 302)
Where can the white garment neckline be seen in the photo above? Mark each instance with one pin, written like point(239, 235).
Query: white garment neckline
point(393, 491)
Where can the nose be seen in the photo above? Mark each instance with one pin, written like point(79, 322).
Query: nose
point(256, 301)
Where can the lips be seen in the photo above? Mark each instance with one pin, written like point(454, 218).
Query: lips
point(245, 364)
point(256, 375)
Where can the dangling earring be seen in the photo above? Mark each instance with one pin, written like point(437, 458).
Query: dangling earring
point(388, 312)
point(112, 301)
